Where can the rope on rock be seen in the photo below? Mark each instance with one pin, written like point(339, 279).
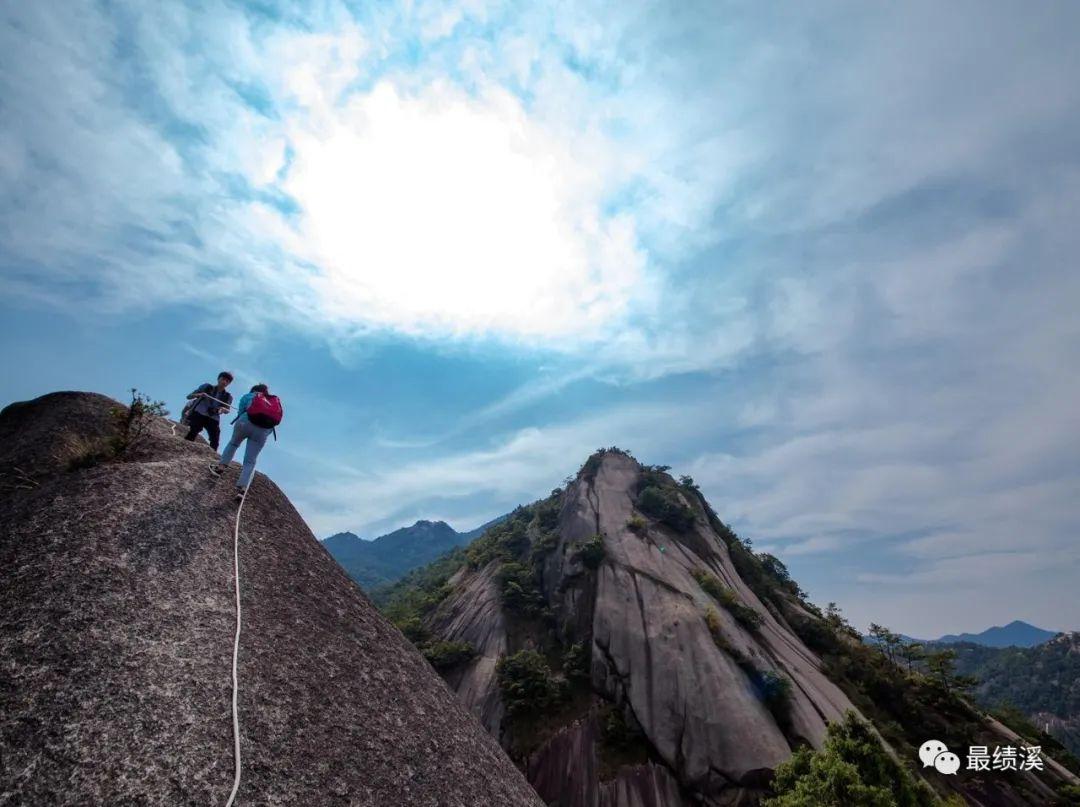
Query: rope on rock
point(236, 648)
point(236, 638)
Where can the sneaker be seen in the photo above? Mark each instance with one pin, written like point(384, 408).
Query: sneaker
point(216, 469)
point(239, 496)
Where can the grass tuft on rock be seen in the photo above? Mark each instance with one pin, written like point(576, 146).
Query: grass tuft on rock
point(744, 614)
point(592, 552)
point(131, 428)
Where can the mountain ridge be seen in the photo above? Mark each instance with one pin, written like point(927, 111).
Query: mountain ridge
point(387, 558)
point(1015, 634)
point(664, 662)
point(1041, 682)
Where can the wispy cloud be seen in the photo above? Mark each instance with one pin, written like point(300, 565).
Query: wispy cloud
point(836, 244)
point(514, 469)
point(354, 195)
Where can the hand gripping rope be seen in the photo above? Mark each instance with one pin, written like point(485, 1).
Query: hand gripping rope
point(173, 425)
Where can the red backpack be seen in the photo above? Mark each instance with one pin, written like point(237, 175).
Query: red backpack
point(265, 410)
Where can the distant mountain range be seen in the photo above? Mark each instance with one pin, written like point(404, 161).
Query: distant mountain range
point(388, 557)
point(1015, 634)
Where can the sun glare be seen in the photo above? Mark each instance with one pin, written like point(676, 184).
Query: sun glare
point(445, 213)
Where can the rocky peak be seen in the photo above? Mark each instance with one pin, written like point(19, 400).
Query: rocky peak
point(718, 685)
point(629, 650)
point(116, 629)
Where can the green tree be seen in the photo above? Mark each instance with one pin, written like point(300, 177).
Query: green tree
point(887, 641)
point(852, 769)
point(912, 653)
point(519, 589)
point(689, 483)
point(941, 664)
point(576, 662)
point(592, 552)
point(835, 620)
point(663, 504)
point(526, 683)
point(444, 656)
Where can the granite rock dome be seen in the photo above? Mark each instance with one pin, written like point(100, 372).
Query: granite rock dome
point(116, 626)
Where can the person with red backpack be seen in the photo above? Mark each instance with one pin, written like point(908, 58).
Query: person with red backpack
point(259, 412)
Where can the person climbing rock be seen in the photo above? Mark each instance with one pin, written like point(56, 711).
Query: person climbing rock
point(259, 413)
point(212, 401)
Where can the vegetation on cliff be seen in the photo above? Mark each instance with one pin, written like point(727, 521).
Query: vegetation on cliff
point(851, 770)
point(544, 677)
point(1029, 684)
point(913, 692)
point(744, 615)
point(411, 599)
point(129, 431)
point(527, 683)
point(661, 500)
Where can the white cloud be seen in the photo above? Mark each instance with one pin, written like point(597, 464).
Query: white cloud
point(424, 208)
point(877, 207)
point(975, 571)
point(515, 469)
point(445, 214)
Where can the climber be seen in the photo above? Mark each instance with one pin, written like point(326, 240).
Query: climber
point(259, 413)
point(212, 401)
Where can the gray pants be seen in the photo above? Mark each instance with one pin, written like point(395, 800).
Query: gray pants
point(256, 436)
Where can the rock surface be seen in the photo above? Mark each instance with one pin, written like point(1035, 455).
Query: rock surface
point(644, 619)
point(116, 630)
point(652, 644)
point(566, 771)
point(660, 649)
point(475, 616)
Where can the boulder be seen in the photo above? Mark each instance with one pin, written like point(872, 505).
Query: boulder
point(116, 636)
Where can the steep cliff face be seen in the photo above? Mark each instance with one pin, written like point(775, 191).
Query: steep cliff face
point(629, 650)
point(688, 668)
point(116, 630)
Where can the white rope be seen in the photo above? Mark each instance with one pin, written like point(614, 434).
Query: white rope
point(173, 425)
point(236, 638)
point(215, 400)
point(236, 649)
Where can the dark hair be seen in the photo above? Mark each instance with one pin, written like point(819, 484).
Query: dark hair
point(260, 388)
point(225, 374)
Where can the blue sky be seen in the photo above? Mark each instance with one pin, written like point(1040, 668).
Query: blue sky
point(821, 258)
